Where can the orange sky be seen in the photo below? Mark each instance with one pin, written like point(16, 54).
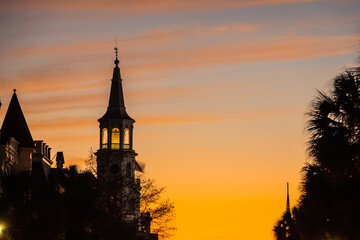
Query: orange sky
point(218, 89)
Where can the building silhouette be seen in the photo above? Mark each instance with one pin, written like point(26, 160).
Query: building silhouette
point(285, 227)
point(115, 158)
point(18, 150)
point(116, 163)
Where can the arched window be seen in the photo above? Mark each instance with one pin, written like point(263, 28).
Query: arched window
point(126, 138)
point(104, 138)
point(115, 139)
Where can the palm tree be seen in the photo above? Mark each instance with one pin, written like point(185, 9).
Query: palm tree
point(329, 205)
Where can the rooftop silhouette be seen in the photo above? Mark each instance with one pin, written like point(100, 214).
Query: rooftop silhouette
point(15, 125)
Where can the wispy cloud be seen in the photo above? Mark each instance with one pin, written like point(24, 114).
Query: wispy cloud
point(62, 123)
point(72, 88)
point(271, 48)
point(144, 40)
point(200, 118)
point(278, 48)
point(56, 49)
point(140, 6)
point(72, 122)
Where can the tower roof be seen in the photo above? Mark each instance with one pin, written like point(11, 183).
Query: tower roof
point(116, 107)
point(15, 125)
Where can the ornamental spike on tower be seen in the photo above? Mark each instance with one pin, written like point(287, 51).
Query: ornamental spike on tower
point(287, 199)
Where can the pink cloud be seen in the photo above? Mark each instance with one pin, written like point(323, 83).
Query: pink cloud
point(140, 6)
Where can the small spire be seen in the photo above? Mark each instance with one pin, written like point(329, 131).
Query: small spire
point(116, 107)
point(14, 90)
point(287, 199)
point(116, 52)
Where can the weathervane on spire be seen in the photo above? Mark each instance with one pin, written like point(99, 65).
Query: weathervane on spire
point(116, 52)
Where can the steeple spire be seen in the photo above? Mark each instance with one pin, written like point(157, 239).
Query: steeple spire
point(287, 199)
point(116, 107)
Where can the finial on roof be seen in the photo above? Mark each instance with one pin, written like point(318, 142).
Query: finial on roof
point(116, 52)
point(14, 90)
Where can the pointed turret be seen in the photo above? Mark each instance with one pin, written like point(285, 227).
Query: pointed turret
point(15, 125)
point(287, 199)
point(116, 107)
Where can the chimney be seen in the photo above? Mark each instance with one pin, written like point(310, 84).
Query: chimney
point(49, 153)
point(38, 146)
point(59, 160)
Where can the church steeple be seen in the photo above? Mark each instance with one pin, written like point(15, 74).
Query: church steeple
point(116, 126)
point(115, 158)
point(116, 107)
point(287, 199)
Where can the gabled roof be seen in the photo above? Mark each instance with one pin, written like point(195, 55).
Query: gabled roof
point(116, 107)
point(15, 125)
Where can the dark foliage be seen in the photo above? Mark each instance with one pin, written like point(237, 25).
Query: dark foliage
point(161, 210)
point(285, 227)
point(329, 205)
point(67, 206)
point(152, 201)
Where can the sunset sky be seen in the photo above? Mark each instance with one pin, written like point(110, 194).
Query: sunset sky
point(218, 88)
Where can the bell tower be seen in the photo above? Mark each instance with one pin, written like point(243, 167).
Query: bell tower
point(116, 156)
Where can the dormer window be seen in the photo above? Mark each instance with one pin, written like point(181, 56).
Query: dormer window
point(126, 138)
point(115, 139)
point(104, 138)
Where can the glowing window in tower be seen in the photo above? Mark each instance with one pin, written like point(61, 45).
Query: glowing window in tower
point(104, 138)
point(126, 138)
point(115, 139)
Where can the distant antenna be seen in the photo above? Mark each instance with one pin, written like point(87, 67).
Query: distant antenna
point(287, 199)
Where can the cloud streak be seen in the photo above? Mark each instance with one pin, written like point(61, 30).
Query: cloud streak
point(272, 48)
point(79, 89)
point(279, 48)
point(72, 122)
point(139, 7)
point(142, 41)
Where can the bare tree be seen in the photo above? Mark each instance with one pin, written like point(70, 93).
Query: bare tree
point(90, 163)
point(161, 210)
